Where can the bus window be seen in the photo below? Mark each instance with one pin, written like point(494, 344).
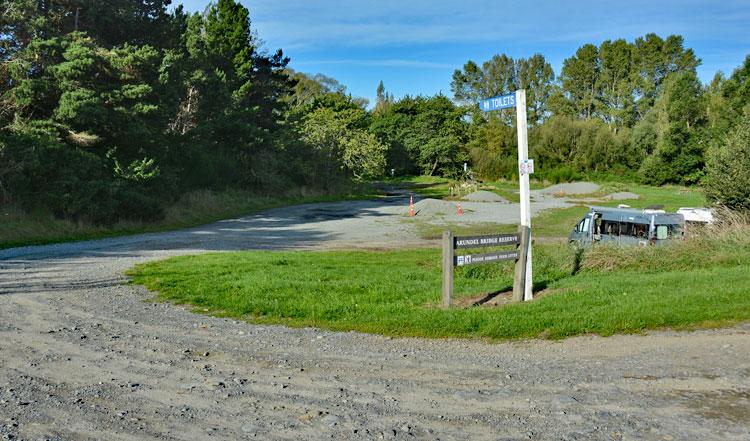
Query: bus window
point(642, 231)
point(585, 225)
point(628, 229)
point(633, 230)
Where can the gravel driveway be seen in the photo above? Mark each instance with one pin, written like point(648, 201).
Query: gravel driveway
point(83, 356)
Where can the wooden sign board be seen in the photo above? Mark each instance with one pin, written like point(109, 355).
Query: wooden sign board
point(451, 260)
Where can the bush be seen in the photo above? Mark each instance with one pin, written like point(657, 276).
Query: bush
point(561, 174)
point(40, 171)
point(493, 167)
point(580, 145)
point(727, 181)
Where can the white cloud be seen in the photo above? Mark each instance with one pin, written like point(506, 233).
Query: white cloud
point(361, 23)
point(393, 62)
point(370, 23)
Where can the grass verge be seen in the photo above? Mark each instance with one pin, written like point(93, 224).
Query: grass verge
point(395, 292)
point(426, 186)
point(671, 197)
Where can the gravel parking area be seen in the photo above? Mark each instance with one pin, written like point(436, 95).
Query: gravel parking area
point(85, 357)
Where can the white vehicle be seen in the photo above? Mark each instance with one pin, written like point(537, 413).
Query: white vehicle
point(697, 215)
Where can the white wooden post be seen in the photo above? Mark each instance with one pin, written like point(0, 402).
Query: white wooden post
point(523, 154)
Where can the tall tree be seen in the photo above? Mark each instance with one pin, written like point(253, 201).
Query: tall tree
point(615, 85)
point(383, 98)
point(727, 180)
point(238, 93)
point(335, 128)
point(654, 60)
point(111, 23)
point(678, 155)
point(501, 75)
point(730, 99)
point(535, 75)
point(492, 147)
point(92, 112)
point(309, 88)
point(579, 78)
point(425, 135)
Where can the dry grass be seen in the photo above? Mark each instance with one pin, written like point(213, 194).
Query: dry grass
point(19, 228)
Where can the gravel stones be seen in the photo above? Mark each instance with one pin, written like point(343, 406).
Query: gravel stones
point(484, 196)
point(571, 188)
point(622, 196)
point(432, 207)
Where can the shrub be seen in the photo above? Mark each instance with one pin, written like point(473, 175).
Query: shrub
point(561, 174)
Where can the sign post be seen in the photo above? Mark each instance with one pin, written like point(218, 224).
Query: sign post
point(450, 259)
point(522, 289)
point(523, 175)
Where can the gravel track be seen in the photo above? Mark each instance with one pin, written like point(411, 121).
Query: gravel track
point(84, 357)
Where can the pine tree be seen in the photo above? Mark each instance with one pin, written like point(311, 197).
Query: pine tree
point(384, 99)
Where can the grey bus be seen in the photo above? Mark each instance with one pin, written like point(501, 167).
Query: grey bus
point(626, 226)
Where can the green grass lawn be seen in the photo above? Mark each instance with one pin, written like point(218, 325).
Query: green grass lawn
point(396, 292)
point(426, 186)
point(431, 231)
point(696, 283)
point(671, 197)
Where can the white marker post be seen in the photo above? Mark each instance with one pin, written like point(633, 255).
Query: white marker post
point(525, 168)
point(523, 176)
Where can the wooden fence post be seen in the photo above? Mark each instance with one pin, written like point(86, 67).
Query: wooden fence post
point(519, 281)
point(447, 268)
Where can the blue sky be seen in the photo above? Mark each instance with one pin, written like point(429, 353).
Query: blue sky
point(415, 45)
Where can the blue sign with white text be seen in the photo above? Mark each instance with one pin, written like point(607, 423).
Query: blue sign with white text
point(498, 102)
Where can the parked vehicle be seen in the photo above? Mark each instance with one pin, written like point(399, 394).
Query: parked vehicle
point(627, 226)
point(697, 216)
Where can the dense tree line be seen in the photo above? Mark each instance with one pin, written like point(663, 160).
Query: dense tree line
point(630, 109)
point(110, 110)
point(607, 111)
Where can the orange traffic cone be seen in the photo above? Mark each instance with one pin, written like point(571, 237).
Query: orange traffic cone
point(411, 205)
point(460, 211)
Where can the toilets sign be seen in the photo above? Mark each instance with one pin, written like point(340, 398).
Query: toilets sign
point(521, 291)
point(498, 102)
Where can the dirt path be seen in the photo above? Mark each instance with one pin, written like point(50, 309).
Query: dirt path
point(84, 357)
